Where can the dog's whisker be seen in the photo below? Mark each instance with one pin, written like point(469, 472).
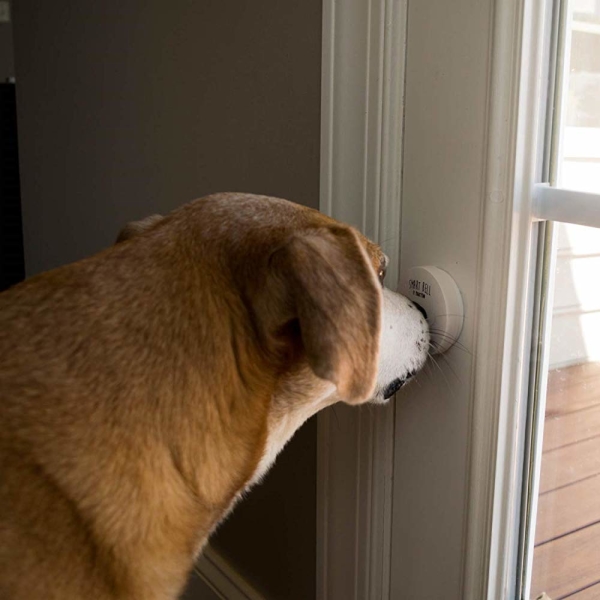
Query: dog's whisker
point(442, 372)
point(337, 421)
point(430, 366)
point(449, 315)
point(449, 366)
point(435, 363)
point(454, 342)
point(390, 239)
point(446, 336)
point(435, 347)
point(460, 347)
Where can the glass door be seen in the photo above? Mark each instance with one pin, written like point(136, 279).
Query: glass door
point(561, 508)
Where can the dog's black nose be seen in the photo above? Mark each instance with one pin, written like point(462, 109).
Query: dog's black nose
point(393, 387)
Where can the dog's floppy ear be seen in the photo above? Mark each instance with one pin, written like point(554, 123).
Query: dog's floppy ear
point(136, 227)
point(331, 289)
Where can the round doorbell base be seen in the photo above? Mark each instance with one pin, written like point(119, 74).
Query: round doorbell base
point(438, 295)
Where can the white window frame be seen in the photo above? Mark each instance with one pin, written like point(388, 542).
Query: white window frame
point(499, 423)
point(499, 504)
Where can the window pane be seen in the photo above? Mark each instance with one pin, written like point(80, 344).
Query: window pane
point(566, 557)
point(579, 163)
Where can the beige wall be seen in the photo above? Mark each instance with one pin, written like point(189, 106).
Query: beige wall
point(130, 108)
point(127, 108)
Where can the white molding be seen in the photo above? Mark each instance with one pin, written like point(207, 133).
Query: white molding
point(504, 307)
point(361, 148)
point(222, 578)
point(494, 265)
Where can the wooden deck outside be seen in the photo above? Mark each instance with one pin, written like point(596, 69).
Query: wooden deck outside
point(566, 560)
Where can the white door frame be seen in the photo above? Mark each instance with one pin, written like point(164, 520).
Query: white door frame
point(361, 183)
point(503, 371)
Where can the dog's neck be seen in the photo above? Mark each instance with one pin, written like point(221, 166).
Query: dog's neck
point(290, 409)
point(291, 404)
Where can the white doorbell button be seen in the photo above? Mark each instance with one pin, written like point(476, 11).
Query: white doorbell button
point(438, 295)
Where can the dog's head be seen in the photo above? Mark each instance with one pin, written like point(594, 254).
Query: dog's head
point(313, 289)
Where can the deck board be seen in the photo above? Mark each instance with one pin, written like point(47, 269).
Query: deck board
point(573, 388)
point(568, 509)
point(567, 564)
point(590, 593)
point(569, 428)
point(569, 464)
point(566, 561)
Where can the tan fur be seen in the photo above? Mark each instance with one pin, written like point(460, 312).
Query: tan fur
point(135, 228)
point(144, 388)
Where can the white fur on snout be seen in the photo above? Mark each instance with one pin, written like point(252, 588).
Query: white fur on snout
point(404, 341)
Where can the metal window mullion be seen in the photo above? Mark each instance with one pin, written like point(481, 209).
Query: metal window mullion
point(567, 206)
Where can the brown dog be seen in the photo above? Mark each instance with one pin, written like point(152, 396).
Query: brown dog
point(144, 388)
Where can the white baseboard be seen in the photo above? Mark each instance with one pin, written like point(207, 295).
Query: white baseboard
point(223, 579)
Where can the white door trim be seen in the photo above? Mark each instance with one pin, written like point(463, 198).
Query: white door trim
point(516, 129)
point(361, 158)
point(222, 578)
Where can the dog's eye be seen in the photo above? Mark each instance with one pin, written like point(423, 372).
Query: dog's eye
point(382, 269)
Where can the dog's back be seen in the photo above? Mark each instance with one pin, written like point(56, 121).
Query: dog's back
point(84, 353)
